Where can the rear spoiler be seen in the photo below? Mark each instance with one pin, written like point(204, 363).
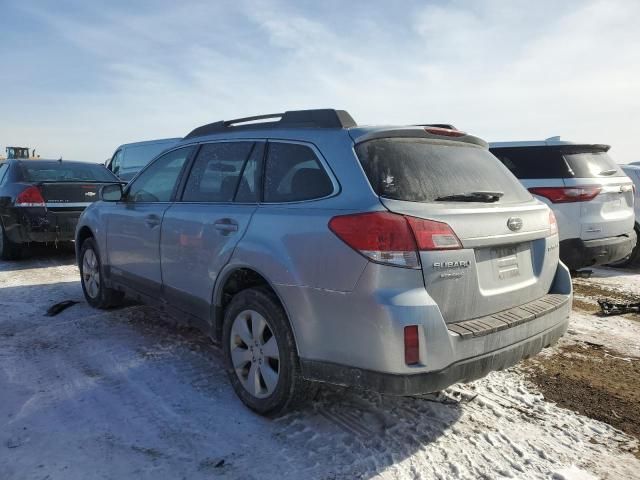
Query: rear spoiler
point(417, 131)
point(81, 182)
point(566, 147)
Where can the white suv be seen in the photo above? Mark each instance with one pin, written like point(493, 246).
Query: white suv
point(590, 195)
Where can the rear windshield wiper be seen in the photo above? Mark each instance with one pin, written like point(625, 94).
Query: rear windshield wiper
point(611, 171)
point(487, 197)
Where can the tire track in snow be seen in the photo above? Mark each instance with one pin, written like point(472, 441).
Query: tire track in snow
point(120, 394)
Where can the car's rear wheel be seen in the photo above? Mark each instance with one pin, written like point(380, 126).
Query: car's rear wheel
point(8, 249)
point(260, 353)
point(96, 293)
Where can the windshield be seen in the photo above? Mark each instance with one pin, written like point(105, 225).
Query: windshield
point(137, 156)
point(419, 170)
point(66, 172)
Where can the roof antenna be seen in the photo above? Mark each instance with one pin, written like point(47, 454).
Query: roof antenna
point(60, 159)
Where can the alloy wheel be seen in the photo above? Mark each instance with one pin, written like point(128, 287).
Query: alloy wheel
point(255, 355)
point(91, 274)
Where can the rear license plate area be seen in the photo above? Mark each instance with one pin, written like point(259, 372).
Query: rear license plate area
point(505, 262)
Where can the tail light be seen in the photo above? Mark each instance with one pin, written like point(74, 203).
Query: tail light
point(393, 239)
point(30, 197)
point(567, 194)
point(444, 132)
point(411, 345)
point(553, 223)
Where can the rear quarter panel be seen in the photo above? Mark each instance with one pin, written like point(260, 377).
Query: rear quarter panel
point(291, 244)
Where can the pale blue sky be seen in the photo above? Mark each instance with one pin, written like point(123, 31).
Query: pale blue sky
point(79, 78)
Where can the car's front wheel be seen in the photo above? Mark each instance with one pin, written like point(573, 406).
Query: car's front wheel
point(96, 293)
point(260, 352)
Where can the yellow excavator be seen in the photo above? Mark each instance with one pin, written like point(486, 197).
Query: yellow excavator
point(22, 153)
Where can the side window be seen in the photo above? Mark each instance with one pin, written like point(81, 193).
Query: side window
point(116, 162)
point(294, 173)
point(156, 183)
point(3, 170)
point(217, 172)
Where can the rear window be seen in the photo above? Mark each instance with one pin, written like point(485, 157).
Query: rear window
point(592, 165)
point(418, 170)
point(557, 162)
point(65, 172)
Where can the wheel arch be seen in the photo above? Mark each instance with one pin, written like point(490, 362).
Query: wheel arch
point(235, 278)
point(82, 234)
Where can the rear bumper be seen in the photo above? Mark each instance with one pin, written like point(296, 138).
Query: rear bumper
point(25, 225)
point(360, 343)
point(463, 371)
point(577, 253)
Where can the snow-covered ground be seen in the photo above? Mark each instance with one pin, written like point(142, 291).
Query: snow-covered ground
point(121, 394)
point(622, 279)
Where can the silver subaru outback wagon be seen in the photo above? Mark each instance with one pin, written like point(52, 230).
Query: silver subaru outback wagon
point(395, 259)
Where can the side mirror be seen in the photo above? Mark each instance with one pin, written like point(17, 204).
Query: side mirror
point(111, 193)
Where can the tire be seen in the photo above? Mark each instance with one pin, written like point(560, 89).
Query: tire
point(251, 359)
point(8, 249)
point(634, 257)
point(92, 279)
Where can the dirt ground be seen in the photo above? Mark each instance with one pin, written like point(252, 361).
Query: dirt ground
point(592, 378)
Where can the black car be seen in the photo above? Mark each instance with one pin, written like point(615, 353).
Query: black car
point(41, 200)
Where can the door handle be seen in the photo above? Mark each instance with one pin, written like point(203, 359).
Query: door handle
point(152, 221)
point(226, 226)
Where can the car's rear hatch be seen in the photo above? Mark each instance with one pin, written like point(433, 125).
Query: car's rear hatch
point(610, 212)
point(507, 256)
point(590, 193)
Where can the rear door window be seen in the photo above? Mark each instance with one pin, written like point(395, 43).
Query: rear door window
point(223, 170)
point(419, 170)
point(293, 173)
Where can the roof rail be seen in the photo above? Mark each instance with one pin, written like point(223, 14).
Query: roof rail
point(321, 118)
